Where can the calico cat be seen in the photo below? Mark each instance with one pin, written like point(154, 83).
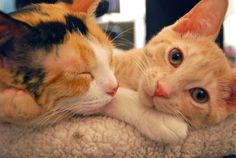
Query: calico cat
point(60, 57)
point(182, 72)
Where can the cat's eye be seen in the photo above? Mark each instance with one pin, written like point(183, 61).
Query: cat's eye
point(199, 95)
point(175, 57)
point(86, 73)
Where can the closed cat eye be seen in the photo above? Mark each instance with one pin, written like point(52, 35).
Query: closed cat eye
point(87, 73)
point(199, 95)
point(175, 57)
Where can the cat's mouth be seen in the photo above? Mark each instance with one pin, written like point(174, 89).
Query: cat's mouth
point(164, 106)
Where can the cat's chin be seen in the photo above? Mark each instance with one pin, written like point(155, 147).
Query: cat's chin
point(159, 104)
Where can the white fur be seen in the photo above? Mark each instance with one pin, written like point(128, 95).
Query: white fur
point(96, 96)
point(103, 74)
point(157, 126)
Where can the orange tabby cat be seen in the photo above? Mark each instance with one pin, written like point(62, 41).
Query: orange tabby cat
point(60, 56)
point(181, 72)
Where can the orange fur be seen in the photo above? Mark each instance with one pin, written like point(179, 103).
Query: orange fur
point(204, 65)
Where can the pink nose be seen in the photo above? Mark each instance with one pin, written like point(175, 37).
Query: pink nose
point(112, 92)
point(161, 91)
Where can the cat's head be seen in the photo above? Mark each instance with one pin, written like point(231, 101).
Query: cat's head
point(58, 54)
point(188, 73)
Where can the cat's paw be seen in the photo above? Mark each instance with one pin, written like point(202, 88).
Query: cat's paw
point(11, 96)
point(163, 128)
point(15, 103)
point(8, 96)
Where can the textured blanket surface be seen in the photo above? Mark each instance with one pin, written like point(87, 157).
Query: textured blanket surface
point(101, 137)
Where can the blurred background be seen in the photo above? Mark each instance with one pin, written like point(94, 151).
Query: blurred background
point(132, 23)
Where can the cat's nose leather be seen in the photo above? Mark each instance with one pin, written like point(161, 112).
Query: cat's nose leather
point(161, 91)
point(112, 91)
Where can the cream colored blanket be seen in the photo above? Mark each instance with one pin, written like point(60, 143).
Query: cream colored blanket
point(101, 137)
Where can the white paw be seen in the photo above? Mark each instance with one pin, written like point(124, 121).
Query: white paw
point(161, 127)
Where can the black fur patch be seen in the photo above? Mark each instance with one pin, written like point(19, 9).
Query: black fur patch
point(49, 34)
point(32, 79)
point(75, 24)
point(67, 1)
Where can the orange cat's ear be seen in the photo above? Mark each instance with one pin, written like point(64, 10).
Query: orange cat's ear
point(87, 6)
point(231, 101)
point(205, 19)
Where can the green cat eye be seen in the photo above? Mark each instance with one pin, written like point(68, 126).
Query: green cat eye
point(175, 57)
point(199, 95)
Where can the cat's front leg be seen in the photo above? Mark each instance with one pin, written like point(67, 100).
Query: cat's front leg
point(156, 126)
point(17, 106)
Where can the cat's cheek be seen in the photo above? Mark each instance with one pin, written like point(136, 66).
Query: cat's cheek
point(145, 99)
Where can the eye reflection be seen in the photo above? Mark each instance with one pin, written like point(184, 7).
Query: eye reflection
point(175, 57)
point(199, 95)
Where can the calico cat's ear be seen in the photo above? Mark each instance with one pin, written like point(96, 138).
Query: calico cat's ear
point(11, 28)
point(87, 6)
point(205, 19)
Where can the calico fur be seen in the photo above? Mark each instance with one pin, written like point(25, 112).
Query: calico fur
point(57, 54)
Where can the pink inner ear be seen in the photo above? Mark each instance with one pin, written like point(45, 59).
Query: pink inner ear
point(1, 63)
point(198, 24)
point(204, 19)
point(4, 63)
point(3, 28)
point(231, 101)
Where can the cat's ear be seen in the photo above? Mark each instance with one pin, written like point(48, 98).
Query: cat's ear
point(87, 6)
point(11, 29)
point(12, 33)
point(205, 19)
point(231, 101)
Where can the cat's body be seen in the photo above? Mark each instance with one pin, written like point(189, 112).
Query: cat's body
point(181, 73)
point(58, 55)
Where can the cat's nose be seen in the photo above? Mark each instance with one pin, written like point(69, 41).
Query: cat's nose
point(161, 91)
point(112, 91)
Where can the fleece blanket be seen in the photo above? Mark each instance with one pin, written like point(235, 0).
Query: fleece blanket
point(103, 137)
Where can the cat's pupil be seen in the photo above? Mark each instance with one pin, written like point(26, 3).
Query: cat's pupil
point(199, 95)
point(175, 57)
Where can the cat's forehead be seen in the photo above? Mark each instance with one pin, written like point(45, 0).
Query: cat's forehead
point(201, 56)
point(59, 24)
point(44, 13)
